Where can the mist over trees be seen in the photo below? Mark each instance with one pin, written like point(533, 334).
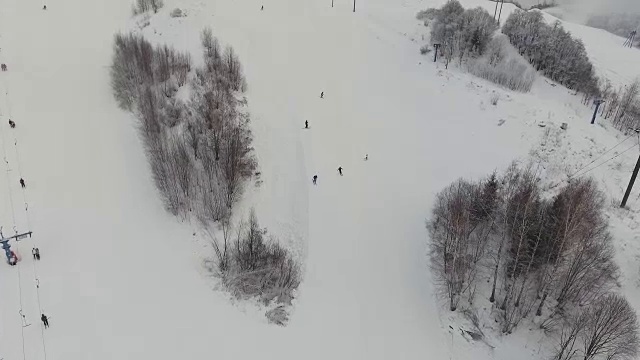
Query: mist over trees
point(621, 24)
point(196, 133)
point(545, 259)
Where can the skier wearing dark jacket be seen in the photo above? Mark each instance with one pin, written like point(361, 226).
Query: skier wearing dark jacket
point(45, 320)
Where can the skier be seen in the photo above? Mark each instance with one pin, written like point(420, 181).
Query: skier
point(322, 95)
point(37, 254)
point(45, 320)
point(315, 179)
point(306, 124)
point(3, 67)
point(366, 157)
point(262, 8)
point(12, 123)
point(44, 7)
point(33, 252)
point(340, 170)
point(22, 183)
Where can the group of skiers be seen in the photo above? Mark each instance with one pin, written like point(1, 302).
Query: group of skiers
point(314, 179)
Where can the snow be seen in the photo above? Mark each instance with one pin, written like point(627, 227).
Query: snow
point(123, 279)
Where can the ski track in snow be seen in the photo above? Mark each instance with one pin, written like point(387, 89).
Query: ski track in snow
point(121, 279)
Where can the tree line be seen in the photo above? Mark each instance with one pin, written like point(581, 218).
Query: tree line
point(199, 148)
point(548, 258)
point(552, 50)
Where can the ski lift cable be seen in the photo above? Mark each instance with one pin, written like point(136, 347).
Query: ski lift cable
point(13, 215)
point(601, 155)
point(606, 161)
point(26, 209)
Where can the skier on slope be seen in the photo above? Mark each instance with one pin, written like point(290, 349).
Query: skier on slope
point(340, 170)
point(322, 95)
point(37, 254)
point(315, 179)
point(12, 123)
point(33, 252)
point(22, 183)
point(45, 320)
point(306, 124)
point(366, 157)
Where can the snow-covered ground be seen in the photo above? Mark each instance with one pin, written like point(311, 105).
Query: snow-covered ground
point(122, 279)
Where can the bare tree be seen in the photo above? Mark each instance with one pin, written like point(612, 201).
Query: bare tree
point(611, 331)
point(570, 332)
point(156, 5)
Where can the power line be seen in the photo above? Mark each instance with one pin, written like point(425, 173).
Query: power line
point(601, 155)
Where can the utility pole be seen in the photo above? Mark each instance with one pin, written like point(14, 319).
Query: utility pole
point(633, 179)
point(495, 12)
point(598, 103)
point(500, 14)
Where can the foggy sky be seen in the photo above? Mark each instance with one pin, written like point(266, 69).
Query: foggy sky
point(602, 6)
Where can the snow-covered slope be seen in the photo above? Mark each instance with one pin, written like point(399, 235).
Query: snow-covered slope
point(121, 279)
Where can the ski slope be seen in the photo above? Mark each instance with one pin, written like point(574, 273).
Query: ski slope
point(122, 279)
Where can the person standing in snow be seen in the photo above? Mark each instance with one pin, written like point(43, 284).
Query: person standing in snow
point(22, 183)
point(306, 124)
point(44, 7)
point(12, 123)
point(262, 8)
point(315, 179)
point(33, 252)
point(366, 157)
point(322, 95)
point(37, 254)
point(340, 170)
point(45, 320)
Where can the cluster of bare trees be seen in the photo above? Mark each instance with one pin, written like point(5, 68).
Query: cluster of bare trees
point(200, 152)
point(622, 106)
point(460, 32)
point(252, 266)
point(552, 50)
point(142, 6)
point(539, 256)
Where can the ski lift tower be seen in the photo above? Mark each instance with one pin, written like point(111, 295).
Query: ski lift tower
point(630, 39)
point(5, 241)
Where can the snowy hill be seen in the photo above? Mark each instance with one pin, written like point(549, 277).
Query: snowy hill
point(122, 279)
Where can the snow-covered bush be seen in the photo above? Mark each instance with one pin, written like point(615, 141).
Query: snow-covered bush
point(177, 12)
point(253, 266)
point(502, 65)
